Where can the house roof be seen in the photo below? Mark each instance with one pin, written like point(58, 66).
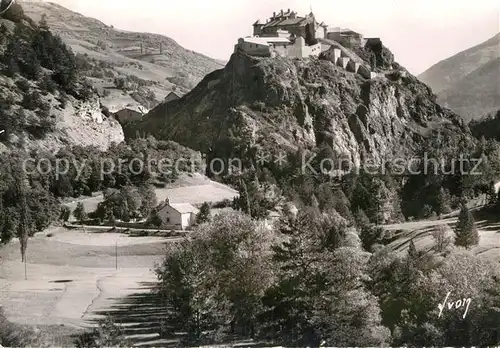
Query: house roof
point(136, 108)
point(174, 94)
point(349, 32)
point(283, 22)
point(184, 208)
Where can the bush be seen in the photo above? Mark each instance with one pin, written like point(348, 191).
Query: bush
point(108, 334)
point(23, 85)
point(33, 101)
point(371, 235)
point(12, 335)
point(63, 100)
point(47, 84)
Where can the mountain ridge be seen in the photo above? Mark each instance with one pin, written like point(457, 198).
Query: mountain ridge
point(476, 56)
point(175, 67)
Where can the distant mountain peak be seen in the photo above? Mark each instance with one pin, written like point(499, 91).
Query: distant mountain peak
point(468, 82)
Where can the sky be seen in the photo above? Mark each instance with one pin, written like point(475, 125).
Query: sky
point(420, 33)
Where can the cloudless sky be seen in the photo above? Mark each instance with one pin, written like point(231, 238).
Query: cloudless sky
point(419, 32)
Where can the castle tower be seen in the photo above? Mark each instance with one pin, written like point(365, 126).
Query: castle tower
point(257, 28)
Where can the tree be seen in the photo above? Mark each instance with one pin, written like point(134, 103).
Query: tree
point(65, 213)
point(412, 250)
point(441, 238)
point(79, 212)
point(466, 234)
point(149, 200)
point(215, 280)
point(491, 194)
point(319, 294)
point(43, 25)
point(154, 219)
point(204, 214)
point(442, 202)
point(10, 225)
point(24, 223)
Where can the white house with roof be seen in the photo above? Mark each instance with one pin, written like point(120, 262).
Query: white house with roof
point(178, 216)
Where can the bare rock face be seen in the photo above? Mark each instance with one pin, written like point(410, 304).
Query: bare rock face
point(83, 124)
point(304, 103)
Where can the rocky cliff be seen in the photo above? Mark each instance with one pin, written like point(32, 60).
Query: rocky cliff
point(45, 102)
point(291, 103)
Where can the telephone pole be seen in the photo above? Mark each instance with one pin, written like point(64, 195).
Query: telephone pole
point(116, 255)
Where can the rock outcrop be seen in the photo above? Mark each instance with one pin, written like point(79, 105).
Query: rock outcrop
point(83, 123)
point(304, 102)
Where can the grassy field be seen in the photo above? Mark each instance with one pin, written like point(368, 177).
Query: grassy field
point(196, 190)
point(421, 233)
point(72, 282)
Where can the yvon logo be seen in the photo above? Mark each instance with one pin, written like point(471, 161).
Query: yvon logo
point(456, 305)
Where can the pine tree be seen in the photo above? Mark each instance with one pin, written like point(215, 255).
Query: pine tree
point(79, 212)
point(43, 25)
point(24, 224)
point(491, 194)
point(412, 250)
point(204, 214)
point(465, 230)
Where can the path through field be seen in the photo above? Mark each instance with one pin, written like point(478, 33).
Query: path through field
point(72, 281)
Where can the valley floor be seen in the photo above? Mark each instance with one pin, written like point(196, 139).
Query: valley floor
point(73, 280)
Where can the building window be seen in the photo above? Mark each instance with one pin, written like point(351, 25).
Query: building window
point(168, 219)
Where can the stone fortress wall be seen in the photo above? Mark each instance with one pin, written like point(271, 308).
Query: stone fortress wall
point(288, 35)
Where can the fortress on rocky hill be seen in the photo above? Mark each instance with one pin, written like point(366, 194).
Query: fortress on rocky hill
point(288, 35)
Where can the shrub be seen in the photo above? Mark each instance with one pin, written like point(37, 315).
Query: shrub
point(12, 335)
point(47, 84)
point(23, 85)
point(108, 334)
point(32, 101)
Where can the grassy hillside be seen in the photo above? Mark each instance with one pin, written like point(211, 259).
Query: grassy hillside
point(116, 54)
point(448, 72)
point(476, 94)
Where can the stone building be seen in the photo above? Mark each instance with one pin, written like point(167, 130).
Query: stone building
point(285, 34)
point(130, 114)
point(177, 216)
point(277, 46)
point(306, 27)
point(345, 37)
point(288, 35)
